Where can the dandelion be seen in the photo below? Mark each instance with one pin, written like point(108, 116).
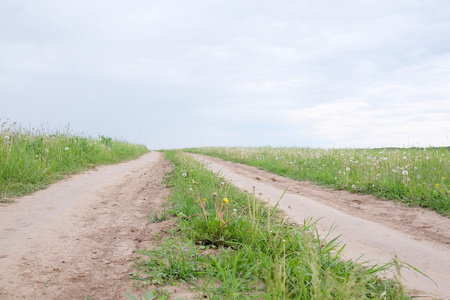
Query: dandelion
point(428, 158)
point(6, 138)
point(405, 158)
point(184, 175)
point(347, 169)
point(67, 148)
point(436, 185)
point(353, 186)
point(37, 155)
point(415, 168)
point(225, 200)
point(443, 178)
point(222, 183)
point(405, 172)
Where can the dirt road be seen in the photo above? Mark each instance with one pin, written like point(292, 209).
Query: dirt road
point(377, 229)
point(75, 239)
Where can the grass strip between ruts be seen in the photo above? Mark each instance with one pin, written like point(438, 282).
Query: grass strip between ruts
point(231, 245)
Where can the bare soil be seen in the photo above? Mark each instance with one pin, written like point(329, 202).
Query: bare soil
point(380, 230)
point(76, 239)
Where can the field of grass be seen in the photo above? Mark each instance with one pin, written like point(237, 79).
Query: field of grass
point(414, 176)
point(32, 159)
point(231, 245)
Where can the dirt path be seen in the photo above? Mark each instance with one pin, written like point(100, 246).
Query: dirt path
point(378, 229)
point(76, 238)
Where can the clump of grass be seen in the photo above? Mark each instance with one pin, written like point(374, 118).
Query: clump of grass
point(259, 253)
point(30, 159)
point(156, 217)
point(414, 176)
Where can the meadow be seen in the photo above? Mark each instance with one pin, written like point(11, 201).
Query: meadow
point(230, 245)
point(31, 159)
point(414, 176)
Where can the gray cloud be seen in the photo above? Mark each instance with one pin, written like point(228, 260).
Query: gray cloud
point(197, 73)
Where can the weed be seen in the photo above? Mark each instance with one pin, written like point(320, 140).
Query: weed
point(32, 159)
point(157, 218)
point(261, 254)
point(415, 176)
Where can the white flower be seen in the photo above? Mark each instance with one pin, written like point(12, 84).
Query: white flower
point(404, 157)
point(67, 148)
point(184, 175)
point(37, 155)
point(6, 137)
point(405, 172)
point(222, 183)
point(347, 169)
point(353, 186)
point(415, 168)
point(428, 158)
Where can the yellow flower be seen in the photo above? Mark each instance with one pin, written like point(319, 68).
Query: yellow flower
point(436, 185)
point(443, 178)
point(225, 200)
point(204, 199)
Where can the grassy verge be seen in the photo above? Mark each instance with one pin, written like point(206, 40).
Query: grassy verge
point(414, 176)
point(231, 245)
point(32, 159)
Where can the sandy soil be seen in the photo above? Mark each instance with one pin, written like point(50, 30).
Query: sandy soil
point(76, 238)
point(379, 230)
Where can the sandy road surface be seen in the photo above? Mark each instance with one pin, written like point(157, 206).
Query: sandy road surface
point(378, 229)
point(76, 238)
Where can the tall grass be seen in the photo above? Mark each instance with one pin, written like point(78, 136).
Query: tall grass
point(415, 176)
point(258, 253)
point(30, 159)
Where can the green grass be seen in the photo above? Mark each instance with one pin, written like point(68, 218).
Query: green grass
point(231, 245)
point(414, 176)
point(32, 159)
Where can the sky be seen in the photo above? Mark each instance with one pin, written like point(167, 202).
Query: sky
point(184, 73)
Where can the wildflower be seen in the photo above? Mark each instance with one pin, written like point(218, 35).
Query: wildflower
point(204, 199)
point(6, 138)
point(436, 185)
point(283, 241)
point(443, 178)
point(347, 169)
point(405, 172)
point(418, 176)
point(353, 186)
point(428, 158)
point(225, 200)
point(67, 148)
point(184, 175)
point(405, 158)
point(415, 168)
point(37, 155)
point(222, 183)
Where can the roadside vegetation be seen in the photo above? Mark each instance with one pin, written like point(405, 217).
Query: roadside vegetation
point(31, 159)
point(414, 176)
point(230, 245)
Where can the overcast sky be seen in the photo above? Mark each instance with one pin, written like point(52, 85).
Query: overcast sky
point(184, 73)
